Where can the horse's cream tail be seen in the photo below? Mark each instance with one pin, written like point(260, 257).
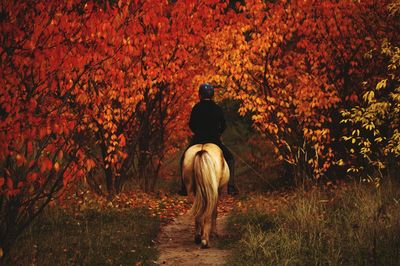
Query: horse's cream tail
point(206, 196)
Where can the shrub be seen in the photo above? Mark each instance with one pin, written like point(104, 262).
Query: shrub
point(374, 124)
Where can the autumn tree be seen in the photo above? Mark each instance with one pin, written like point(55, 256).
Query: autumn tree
point(47, 50)
point(293, 65)
point(172, 49)
point(136, 104)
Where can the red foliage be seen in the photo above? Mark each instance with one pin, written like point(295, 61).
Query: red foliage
point(88, 86)
point(104, 88)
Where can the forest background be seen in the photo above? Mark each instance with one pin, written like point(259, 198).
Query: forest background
point(97, 94)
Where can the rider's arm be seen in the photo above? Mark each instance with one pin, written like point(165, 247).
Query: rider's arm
point(222, 123)
point(192, 121)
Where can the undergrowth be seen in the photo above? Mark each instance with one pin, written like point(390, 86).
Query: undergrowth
point(357, 225)
point(92, 237)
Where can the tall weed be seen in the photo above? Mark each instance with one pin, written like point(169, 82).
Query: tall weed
point(358, 225)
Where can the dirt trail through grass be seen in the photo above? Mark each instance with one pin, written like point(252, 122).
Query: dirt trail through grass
point(177, 247)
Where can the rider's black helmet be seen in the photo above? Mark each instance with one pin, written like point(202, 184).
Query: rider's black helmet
point(206, 91)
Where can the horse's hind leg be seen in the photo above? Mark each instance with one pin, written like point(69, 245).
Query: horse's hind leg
point(197, 236)
point(205, 237)
point(214, 222)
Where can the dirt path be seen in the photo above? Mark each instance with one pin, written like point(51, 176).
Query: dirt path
point(177, 247)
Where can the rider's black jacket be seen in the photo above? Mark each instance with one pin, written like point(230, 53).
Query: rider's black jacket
point(207, 122)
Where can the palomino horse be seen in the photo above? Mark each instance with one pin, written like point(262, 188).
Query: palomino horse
point(204, 172)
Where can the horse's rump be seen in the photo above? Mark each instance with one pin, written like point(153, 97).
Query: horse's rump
point(214, 158)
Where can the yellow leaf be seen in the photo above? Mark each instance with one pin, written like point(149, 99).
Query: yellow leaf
point(381, 84)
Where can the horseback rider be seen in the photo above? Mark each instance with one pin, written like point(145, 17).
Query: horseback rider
point(207, 122)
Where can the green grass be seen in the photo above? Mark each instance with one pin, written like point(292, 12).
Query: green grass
point(355, 226)
point(238, 223)
point(94, 237)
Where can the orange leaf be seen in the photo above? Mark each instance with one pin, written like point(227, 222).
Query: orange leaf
point(90, 164)
point(20, 160)
point(122, 140)
point(56, 166)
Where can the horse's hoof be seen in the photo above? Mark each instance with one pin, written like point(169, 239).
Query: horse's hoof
point(197, 239)
point(204, 244)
